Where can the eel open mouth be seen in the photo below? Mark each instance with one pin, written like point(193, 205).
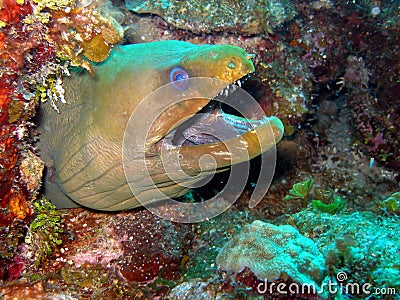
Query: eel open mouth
point(227, 116)
point(212, 124)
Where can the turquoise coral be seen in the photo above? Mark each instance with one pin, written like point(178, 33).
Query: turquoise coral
point(272, 252)
point(363, 245)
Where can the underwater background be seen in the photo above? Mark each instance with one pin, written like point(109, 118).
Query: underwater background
point(328, 228)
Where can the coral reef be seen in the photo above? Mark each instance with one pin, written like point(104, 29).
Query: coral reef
point(201, 276)
point(10, 237)
point(88, 29)
point(193, 289)
point(87, 254)
point(33, 34)
point(282, 84)
point(360, 69)
point(331, 73)
point(36, 46)
point(273, 252)
point(209, 238)
point(341, 167)
point(14, 193)
point(361, 244)
point(155, 252)
point(248, 17)
point(376, 129)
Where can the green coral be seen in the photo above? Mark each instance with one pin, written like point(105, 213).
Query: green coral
point(328, 201)
point(392, 203)
point(45, 229)
point(300, 190)
point(332, 208)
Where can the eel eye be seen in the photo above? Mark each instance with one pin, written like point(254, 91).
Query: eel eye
point(179, 78)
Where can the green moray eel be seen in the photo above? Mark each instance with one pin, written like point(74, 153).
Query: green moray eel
point(81, 145)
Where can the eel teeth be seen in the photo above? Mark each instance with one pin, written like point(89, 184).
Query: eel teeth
point(230, 88)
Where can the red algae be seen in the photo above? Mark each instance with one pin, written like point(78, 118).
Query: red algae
point(155, 247)
point(14, 193)
point(11, 12)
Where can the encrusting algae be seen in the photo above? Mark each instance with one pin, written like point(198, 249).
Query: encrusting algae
point(246, 17)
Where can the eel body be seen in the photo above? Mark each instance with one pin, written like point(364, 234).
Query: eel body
point(82, 145)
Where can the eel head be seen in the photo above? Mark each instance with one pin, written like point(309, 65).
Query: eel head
point(132, 104)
